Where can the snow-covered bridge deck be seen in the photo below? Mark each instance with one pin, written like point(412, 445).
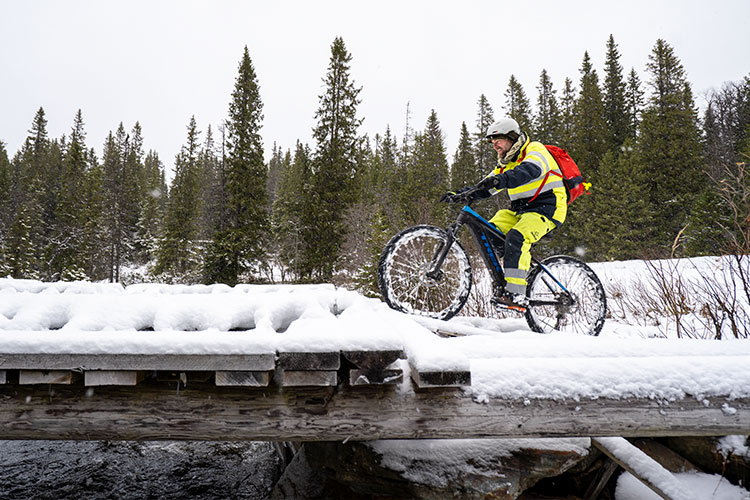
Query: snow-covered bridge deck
point(86, 361)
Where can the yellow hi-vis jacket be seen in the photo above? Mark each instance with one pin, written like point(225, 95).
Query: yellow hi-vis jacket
point(539, 178)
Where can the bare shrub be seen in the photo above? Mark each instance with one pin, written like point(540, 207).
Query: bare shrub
point(632, 302)
point(725, 299)
point(672, 294)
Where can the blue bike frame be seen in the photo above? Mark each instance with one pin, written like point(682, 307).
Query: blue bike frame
point(489, 240)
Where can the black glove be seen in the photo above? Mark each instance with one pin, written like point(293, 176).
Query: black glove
point(454, 196)
point(492, 182)
point(447, 197)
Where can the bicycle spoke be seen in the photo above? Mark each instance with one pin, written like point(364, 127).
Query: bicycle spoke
point(402, 273)
point(580, 309)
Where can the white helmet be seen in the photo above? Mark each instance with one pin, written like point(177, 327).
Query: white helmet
point(507, 127)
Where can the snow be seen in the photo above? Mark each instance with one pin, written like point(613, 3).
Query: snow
point(506, 360)
point(734, 445)
point(436, 462)
point(700, 485)
point(645, 467)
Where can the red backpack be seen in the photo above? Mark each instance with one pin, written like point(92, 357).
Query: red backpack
point(574, 182)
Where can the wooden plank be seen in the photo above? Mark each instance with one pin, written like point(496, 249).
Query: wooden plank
point(375, 377)
point(26, 377)
point(307, 378)
point(668, 459)
point(300, 361)
point(644, 468)
point(113, 377)
point(601, 480)
point(202, 411)
point(147, 362)
point(372, 360)
point(3, 377)
point(246, 379)
point(427, 379)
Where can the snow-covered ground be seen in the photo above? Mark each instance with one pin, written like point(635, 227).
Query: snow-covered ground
point(505, 359)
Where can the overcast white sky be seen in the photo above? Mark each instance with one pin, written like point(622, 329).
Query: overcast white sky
point(160, 62)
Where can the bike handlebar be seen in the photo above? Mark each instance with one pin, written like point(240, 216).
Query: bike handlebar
point(464, 197)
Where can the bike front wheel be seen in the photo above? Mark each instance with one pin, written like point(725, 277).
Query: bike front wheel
point(403, 273)
point(565, 295)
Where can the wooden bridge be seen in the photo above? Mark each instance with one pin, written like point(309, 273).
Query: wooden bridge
point(322, 396)
point(321, 364)
point(214, 365)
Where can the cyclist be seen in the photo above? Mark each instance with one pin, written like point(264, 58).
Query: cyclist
point(538, 202)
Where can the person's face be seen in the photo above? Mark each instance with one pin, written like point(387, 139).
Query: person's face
point(502, 145)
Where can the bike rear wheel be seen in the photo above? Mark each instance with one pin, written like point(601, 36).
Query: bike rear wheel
point(573, 301)
point(403, 267)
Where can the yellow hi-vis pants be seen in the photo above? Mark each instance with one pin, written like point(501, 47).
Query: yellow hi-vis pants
point(521, 231)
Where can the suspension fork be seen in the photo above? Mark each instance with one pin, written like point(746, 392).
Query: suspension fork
point(435, 272)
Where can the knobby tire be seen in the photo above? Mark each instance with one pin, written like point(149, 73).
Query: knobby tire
point(403, 280)
point(582, 309)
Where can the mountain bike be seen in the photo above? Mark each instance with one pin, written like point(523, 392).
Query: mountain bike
point(425, 271)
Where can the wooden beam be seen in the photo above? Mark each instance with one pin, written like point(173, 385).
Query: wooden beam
point(378, 377)
point(644, 468)
point(669, 459)
point(309, 360)
point(113, 377)
point(28, 377)
point(307, 378)
point(147, 362)
point(246, 379)
point(202, 411)
point(372, 360)
point(427, 379)
point(601, 480)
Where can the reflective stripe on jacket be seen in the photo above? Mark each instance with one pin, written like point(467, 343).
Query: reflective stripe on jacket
point(535, 155)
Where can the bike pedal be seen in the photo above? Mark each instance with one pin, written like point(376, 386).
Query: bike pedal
point(507, 307)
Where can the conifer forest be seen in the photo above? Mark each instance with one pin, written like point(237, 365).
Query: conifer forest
point(668, 181)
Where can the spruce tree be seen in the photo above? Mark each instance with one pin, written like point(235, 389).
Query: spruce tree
point(486, 157)
point(68, 237)
point(634, 101)
point(589, 133)
point(5, 174)
point(624, 219)
point(274, 172)
point(30, 202)
point(132, 189)
point(209, 175)
point(5, 209)
point(615, 112)
point(334, 166)
point(670, 145)
point(547, 121)
point(22, 259)
point(587, 147)
point(237, 251)
point(113, 193)
point(428, 175)
point(50, 192)
point(177, 250)
point(153, 209)
point(96, 216)
point(567, 114)
point(464, 171)
point(517, 105)
point(382, 182)
point(290, 210)
point(366, 279)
